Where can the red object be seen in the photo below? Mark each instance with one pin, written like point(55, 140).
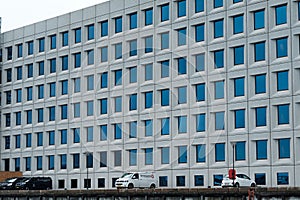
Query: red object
point(232, 173)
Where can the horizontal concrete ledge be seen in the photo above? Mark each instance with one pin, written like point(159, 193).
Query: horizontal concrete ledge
point(205, 192)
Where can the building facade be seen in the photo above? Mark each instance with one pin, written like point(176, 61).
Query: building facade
point(155, 85)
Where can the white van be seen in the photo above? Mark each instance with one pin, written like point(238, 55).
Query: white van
point(137, 180)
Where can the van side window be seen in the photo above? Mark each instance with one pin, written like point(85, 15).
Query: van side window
point(135, 176)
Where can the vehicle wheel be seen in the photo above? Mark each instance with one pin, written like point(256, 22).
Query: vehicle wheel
point(27, 188)
point(152, 186)
point(253, 185)
point(237, 185)
point(130, 186)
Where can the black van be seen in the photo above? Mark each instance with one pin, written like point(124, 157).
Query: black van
point(35, 183)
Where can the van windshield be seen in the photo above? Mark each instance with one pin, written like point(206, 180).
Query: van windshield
point(127, 175)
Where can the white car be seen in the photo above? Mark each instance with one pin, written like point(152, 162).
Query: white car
point(241, 180)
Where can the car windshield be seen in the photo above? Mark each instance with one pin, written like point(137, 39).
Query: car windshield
point(11, 180)
point(127, 175)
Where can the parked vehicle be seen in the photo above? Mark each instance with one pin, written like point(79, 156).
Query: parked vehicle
point(35, 183)
point(137, 180)
point(241, 180)
point(10, 183)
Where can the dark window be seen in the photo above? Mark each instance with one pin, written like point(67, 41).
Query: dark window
point(284, 148)
point(239, 87)
point(65, 38)
point(101, 182)
point(261, 116)
point(163, 181)
point(64, 63)
point(199, 6)
point(282, 178)
point(218, 3)
point(199, 180)
point(260, 84)
point(260, 178)
point(220, 152)
point(238, 55)
point(180, 181)
point(261, 149)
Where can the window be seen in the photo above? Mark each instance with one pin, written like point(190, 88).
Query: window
point(76, 135)
point(52, 87)
point(219, 90)
point(219, 152)
point(148, 72)
point(19, 95)
point(17, 164)
point(240, 152)
point(148, 99)
point(9, 53)
point(30, 48)
point(51, 162)
point(39, 139)
point(181, 64)
point(282, 178)
point(238, 55)
point(90, 108)
point(63, 161)
point(7, 142)
point(90, 134)
point(18, 118)
point(118, 131)
point(117, 158)
point(118, 77)
point(200, 153)
point(77, 35)
point(91, 32)
point(148, 128)
point(64, 111)
point(101, 182)
point(238, 24)
point(260, 84)
point(103, 159)
point(218, 28)
point(284, 148)
point(76, 85)
point(133, 102)
point(164, 41)
point(200, 122)
point(133, 129)
point(64, 87)
point(89, 161)
point(19, 50)
point(104, 28)
point(281, 47)
point(165, 97)
point(219, 121)
point(53, 42)
point(104, 54)
point(133, 21)
point(90, 82)
point(76, 161)
point(182, 154)
point(282, 80)
point(237, 1)
point(133, 74)
point(41, 68)
point(260, 178)
point(261, 149)
point(27, 163)
point(7, 120)
point(180, 181)
point(63, 136)
point(259, 51)
point(76, 110)
point(239, 87)
point(28, 138)
point(149, 16)
point(165, 69)
point(165, 155)
point(118, 24)
point(133, 48)
point(165, 126)
point(218, 3)
point(29, 116)
point(259, 19)
point(8, 97)
point(41, 44)
point(261, 116)
point(283, 114)
point(218, 179)
point(40, 113)
point(104, 80)
point(29, 93)
point(52, 113)
point(40, 91)
point(65, 38)
point(199, 180)
point(181, 36)
point(149, 156)
point(165, 12)
point(181, 8)
point(103, 132)
point(199, 6)
point(281, 15)
point(19, 73)
point(118, 51)
point(8, 75)
point(103, 106)
point(199, 33)
point(90, 57)
point(200, 92)
point(182, 95)
point(51, 138)
point(163, 181)
point(219, 58)
point(148, 44)
point(52, 65)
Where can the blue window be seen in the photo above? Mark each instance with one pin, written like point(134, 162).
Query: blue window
point(237, 1)
point(181, 64)
point(118, 25)
point(103, 105)
point(41, 69)
point(165, 126)
point(238, 55)
point(103, 132)
point(19, 95)
point(240, 151)
point(132, 157)
point(63, 161)
point(18, 118)
point(200, 92)
point(260, 84)
point(76, 110)
point(7, 119)
point(104, 28)
point(199, 6)
point(180, 181)
point(133, 129)
point(281, 47)
point(260, 178)
point(165, 155)
point(29, 70)
point(132, 20)
point(148, 16)
point(261, 116)
point(104, 80)
point(63, 136)
point(7, 142)
point(29, 93)
point(219, 90)
point(181, 8)
point(165, 69)
point(133, 48)
point(64, 63)
point(259, 19)
point(29, 116)
point(218, 179)
point(40, 113)
point(52, 87)
point(261, 149)
point(148, 156)
point(18, 141)
point(239, 118)
point(182, 124)
point(182, 154)
point(8, 75)
point(181, 36)
point(182, 95)
point(282, 80)
point(65, 38)
point(90, 82)
point(282, 178)
point(165, 97)
point(199, 33)
point(76, 161)
point(219, 58)
point(51, 162)
point(133, 74)
point(164, 41)
point(298, 10)
point(19, 50)
point(219, 121)
point(39, 139)
point(118, 104)
point(41, 44)
point(104, 54)
point(284, 148)
point(199, 180)
point(133, 102)
point(77, 85)
point(52, 113)
point(90, 108)
point(118, 77)
point(200, 62)
point(281, 15)
point(103, 161)
point(30, 48)
point(200, 122)
point(77, 35)
point(64, 87)
point(8, 97)
point(148, 128)
point(76, 135)
point(40, 91)
point(118, 131)
point(53, 42)
point(218, 3)
point(19, 73)
point(90, 134)
point(27, 163)
point(239, 88)
point(28, 139)
point(200, 153)
point(148, 44)
point(64, 111)
point(259, 51)
point(90, 57)
point(148, 99)
point(165, 12)
point(91, 32)
point(238, 24)
point(52, 65)
point(218, 28)
point(219, 152)
point(283, 114)
point(118, 51)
